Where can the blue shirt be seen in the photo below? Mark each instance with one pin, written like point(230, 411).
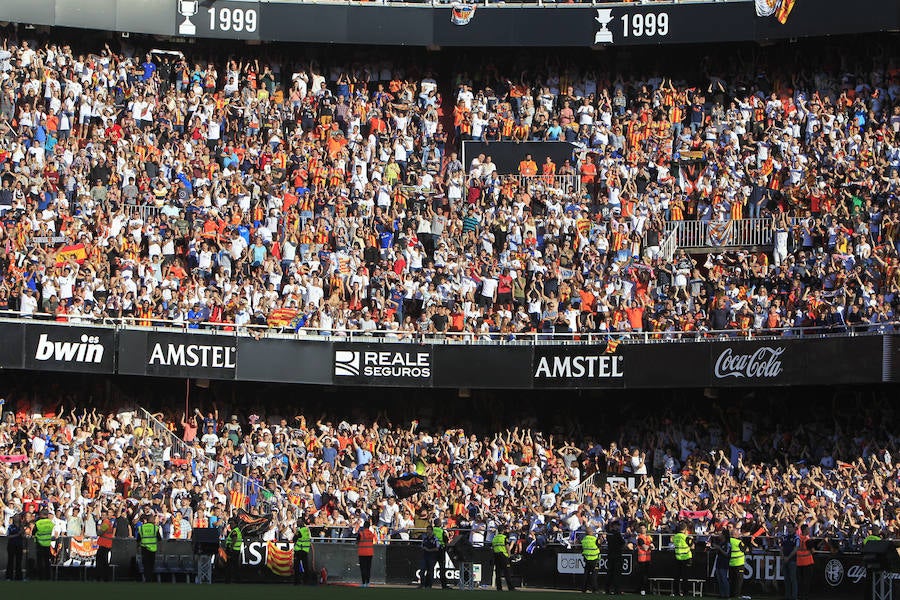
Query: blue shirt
point(149, 70)
point(192, 314)
point(363, 456)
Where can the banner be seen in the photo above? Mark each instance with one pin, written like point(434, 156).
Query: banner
point(579, 366)
point(70, 348)
point(279, 560)
point(178, 354)
point(719, 233)
point(482, 367)
point(12, 348)
point(284, 360)
point(403, 565)
point(509, 25)
point(83, 549)
point(736, 361)
point(386, 364)
point(12, 459)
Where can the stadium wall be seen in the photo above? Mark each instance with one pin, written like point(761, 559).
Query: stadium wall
point(423, 25)
point(835, 575)
point(721, 362)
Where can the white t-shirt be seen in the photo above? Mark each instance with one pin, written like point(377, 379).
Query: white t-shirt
point(488, 287)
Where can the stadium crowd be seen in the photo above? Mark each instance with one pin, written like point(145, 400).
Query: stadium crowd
point(155, 187)
point(745, 465)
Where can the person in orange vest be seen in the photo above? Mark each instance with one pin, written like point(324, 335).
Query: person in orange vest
point(805, 563)
point(644, 548)
point(365, 550)
point(106, 532)
point(527, 167)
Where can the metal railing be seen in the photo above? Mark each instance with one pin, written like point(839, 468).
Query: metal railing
point(758, 232)
point(235, 481)
point(468, 337)
point(587, 486)
point(564, 184)
point(176, 444)
point(669, 245)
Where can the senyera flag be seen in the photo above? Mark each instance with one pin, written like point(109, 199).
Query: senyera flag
point(781, 9)
point(76, 252)
point(279, 561)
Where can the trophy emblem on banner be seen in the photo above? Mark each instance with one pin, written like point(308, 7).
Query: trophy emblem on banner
point(604, 17)
point(187, 9)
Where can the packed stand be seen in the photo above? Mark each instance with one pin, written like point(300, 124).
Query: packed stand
point(736, 467)
point(156, 188)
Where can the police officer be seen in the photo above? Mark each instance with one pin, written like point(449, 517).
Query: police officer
point(736, 562)
point(500, 546)
point(615, 545)
point(790, 543)
point(683, 544)
point(590, 552)
point(234, 543)
point(14, 546)
point(721, 547)
point(441, 536)
point(430, 548)
point(149, 538)
point(43, 537)
point(302, 548)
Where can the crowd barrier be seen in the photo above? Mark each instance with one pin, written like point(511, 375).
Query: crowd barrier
point(583, 24)
point(834, 575)
point(722, 361)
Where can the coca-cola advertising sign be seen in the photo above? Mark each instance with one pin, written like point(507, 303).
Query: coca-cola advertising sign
point(764, 362)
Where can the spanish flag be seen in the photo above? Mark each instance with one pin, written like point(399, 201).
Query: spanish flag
point(76, 252)
point(784, 10)
point(280, 562)
point(611, 346)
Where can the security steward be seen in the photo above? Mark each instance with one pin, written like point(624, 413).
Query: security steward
point(736, 562)
point(106, 532)
point(683, 544)
point(868, 581)
point(302, 548)
point(500, 546)
point(149, 538)
point(43, 538)
point(441, 536)
point(805, 562)
point(645, 548)
point(234, 543)
point(590, 552)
